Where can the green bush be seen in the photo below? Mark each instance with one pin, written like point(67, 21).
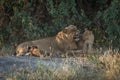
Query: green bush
point(109, 22)
point(111, 17)
point(33, 19)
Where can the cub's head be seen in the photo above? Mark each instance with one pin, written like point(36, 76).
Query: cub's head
point(71, 32)
point(88, 35)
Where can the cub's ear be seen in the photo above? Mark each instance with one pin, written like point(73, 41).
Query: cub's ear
point(65, 30)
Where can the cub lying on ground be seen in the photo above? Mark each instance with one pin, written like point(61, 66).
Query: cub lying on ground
point(65, 40)
point(34, 51)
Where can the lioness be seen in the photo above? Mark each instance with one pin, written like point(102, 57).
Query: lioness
point(86, 42)
point(64, 40)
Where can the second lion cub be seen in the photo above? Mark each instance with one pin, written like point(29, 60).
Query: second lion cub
point(86, 41)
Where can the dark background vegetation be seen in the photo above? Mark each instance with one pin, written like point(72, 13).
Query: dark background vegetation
point(22, 20)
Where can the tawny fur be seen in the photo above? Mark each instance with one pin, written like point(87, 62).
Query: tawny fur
point(60, 43)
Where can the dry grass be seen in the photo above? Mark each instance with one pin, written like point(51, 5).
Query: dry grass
point(110, 63)
point(105, 66)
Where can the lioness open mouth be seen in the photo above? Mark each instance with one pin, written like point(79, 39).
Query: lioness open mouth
point(76, 37)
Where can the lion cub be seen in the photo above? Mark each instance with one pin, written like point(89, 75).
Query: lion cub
point(33, 50)
point(86, 41)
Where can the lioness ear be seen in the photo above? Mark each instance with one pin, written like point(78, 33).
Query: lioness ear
point(64, 30)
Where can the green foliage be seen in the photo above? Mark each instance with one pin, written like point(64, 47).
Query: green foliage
point(63, 12)
point(111, 23)
point(21, 26)
point(111, 17)
point(107, 22)
point(33, 19)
